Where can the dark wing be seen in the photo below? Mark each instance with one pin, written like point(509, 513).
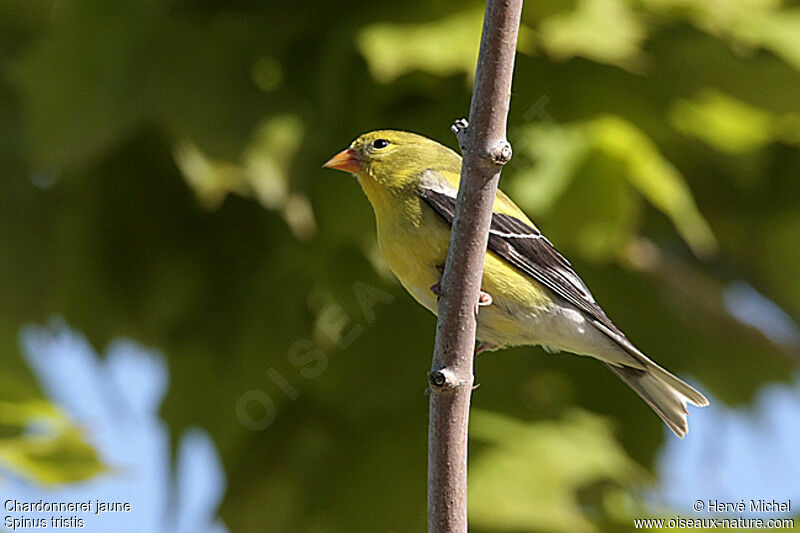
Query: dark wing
point(527, 250)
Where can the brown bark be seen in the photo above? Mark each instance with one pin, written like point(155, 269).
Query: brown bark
point(485, 150)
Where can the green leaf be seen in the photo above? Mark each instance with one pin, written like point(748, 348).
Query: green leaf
point(722, 121)
point(606, 31)
point(262, 173)
point(732, 125)
point(558, 152)
point(654, 177)
point(748, 23)
point(612, 159)
point(444, 47)
point(528, 474)
point(46, 448)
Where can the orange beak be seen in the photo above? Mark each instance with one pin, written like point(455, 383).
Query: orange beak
point(346, 160)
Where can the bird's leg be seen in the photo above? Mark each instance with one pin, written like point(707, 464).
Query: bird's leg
point(482, 347)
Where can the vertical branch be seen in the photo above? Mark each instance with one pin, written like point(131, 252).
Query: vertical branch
point(485, 149)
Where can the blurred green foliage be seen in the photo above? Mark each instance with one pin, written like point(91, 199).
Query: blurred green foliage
point(528, 476)
point(162, 180)
point(40, 443)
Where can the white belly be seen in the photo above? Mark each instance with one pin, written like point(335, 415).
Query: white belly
point(558, 326)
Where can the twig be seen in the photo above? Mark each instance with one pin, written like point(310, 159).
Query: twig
point(485, 150)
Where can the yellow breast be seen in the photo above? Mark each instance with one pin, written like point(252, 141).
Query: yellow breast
point(414, 241)
point(415, 256)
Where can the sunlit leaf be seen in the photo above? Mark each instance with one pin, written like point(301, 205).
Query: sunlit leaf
point(268, 156)
point(47, 447)
point(780, 33)
point(211, 180)
point(607, 31)
point(732, 125)
point(585, 172)
point(556, 153)
point(444, 47)
point(723, 121)
point(262, 173)
point(527, 475)
point(748, 23)
point(655, 177)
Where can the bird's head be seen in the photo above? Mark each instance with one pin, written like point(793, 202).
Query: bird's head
point(393, 159)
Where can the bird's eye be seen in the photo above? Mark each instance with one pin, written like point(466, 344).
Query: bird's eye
point(380, 143)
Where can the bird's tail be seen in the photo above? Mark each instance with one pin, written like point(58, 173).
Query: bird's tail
point(664, 392)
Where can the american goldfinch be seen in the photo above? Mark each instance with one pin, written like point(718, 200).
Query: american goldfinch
point(530, 295)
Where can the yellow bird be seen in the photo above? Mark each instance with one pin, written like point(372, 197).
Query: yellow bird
point(530, 295)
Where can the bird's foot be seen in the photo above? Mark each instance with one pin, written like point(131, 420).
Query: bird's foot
point(436, 289)
point(484, 299)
